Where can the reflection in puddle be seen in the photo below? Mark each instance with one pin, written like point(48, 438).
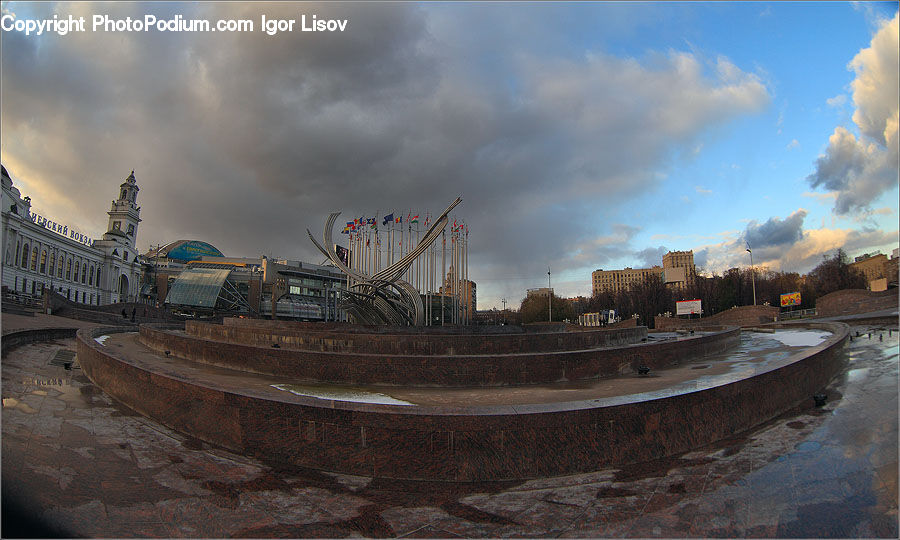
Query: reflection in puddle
point(857, 374)
point(101, 339)
point(13, 403)
point(800, 338)
point(340, 394)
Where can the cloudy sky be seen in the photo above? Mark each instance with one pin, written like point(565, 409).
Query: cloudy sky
point(579, 135)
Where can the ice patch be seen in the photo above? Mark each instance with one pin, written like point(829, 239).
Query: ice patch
point(800, 338)
point(101, 339)
point(357, 396)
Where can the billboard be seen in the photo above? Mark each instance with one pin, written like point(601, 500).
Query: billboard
point(790, 299)
point(343, 254)
point(687, 307)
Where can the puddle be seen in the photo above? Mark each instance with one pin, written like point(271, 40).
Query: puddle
point(800, 338)
point(808, 446)
point(857, 374)
point(101, 340)
point(340, 394)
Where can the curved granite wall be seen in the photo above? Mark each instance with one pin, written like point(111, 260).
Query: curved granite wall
point(736, 316)
point(462, 443)
point(423, 341)
point(493, 369)
point(853, 301)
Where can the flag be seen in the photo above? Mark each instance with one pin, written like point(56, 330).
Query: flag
point(388, 218)
point(415, 219)
point(399, 220)
point(346, 230)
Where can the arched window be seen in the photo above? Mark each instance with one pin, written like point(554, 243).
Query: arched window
point(83, 272)
point(91, 281)
point(25, 257)
point(52, 265)
point(18, 249)
point(98, 283)
point(68, 271)
point(59, 268)
point(43, 261)
point(34, 259)
point(76, 279)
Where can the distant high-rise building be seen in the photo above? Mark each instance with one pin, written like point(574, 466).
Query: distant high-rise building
point(620, 280)
point(677, 269)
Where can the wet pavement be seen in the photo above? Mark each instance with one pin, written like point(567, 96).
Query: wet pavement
point(75, 463)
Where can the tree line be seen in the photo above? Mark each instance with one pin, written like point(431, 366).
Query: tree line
point(652, 297)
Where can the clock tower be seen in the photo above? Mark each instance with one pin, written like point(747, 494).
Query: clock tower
point(124, 214)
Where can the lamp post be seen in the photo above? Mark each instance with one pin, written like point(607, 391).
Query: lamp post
point(549, 296)
point(752, 274)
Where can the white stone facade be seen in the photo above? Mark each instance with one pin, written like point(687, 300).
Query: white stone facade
point(39, 253)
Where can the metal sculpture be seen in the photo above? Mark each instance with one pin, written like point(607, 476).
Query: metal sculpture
point(384, 297)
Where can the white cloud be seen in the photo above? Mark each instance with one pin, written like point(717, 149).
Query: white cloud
point(837, 101)
point(861, 169)
point(702, 190)
point(793, 144)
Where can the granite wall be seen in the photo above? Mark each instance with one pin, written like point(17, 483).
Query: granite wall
point(854, 301)
point(494, 369)
point(737, 316)
point(422, 342)
point(463, 443)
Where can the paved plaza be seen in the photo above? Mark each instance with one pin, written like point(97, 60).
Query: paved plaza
point(76, 463)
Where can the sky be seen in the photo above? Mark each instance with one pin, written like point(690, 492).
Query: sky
point(579, 136)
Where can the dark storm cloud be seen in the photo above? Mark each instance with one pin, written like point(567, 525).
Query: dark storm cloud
point(775, 231)
point(651, 256)
point(244, 140)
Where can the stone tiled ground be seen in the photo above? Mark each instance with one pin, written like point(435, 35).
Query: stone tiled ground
point(75, 463)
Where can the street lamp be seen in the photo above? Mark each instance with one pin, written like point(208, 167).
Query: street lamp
point(752, 274)
point(549, 295)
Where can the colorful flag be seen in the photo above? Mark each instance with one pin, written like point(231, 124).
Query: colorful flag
point(399, 220)
point(388, 218)
point(346, 230)
point(415, 219)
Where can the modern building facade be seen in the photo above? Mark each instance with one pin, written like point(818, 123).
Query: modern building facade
point(194, 277)
point(40, 252)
